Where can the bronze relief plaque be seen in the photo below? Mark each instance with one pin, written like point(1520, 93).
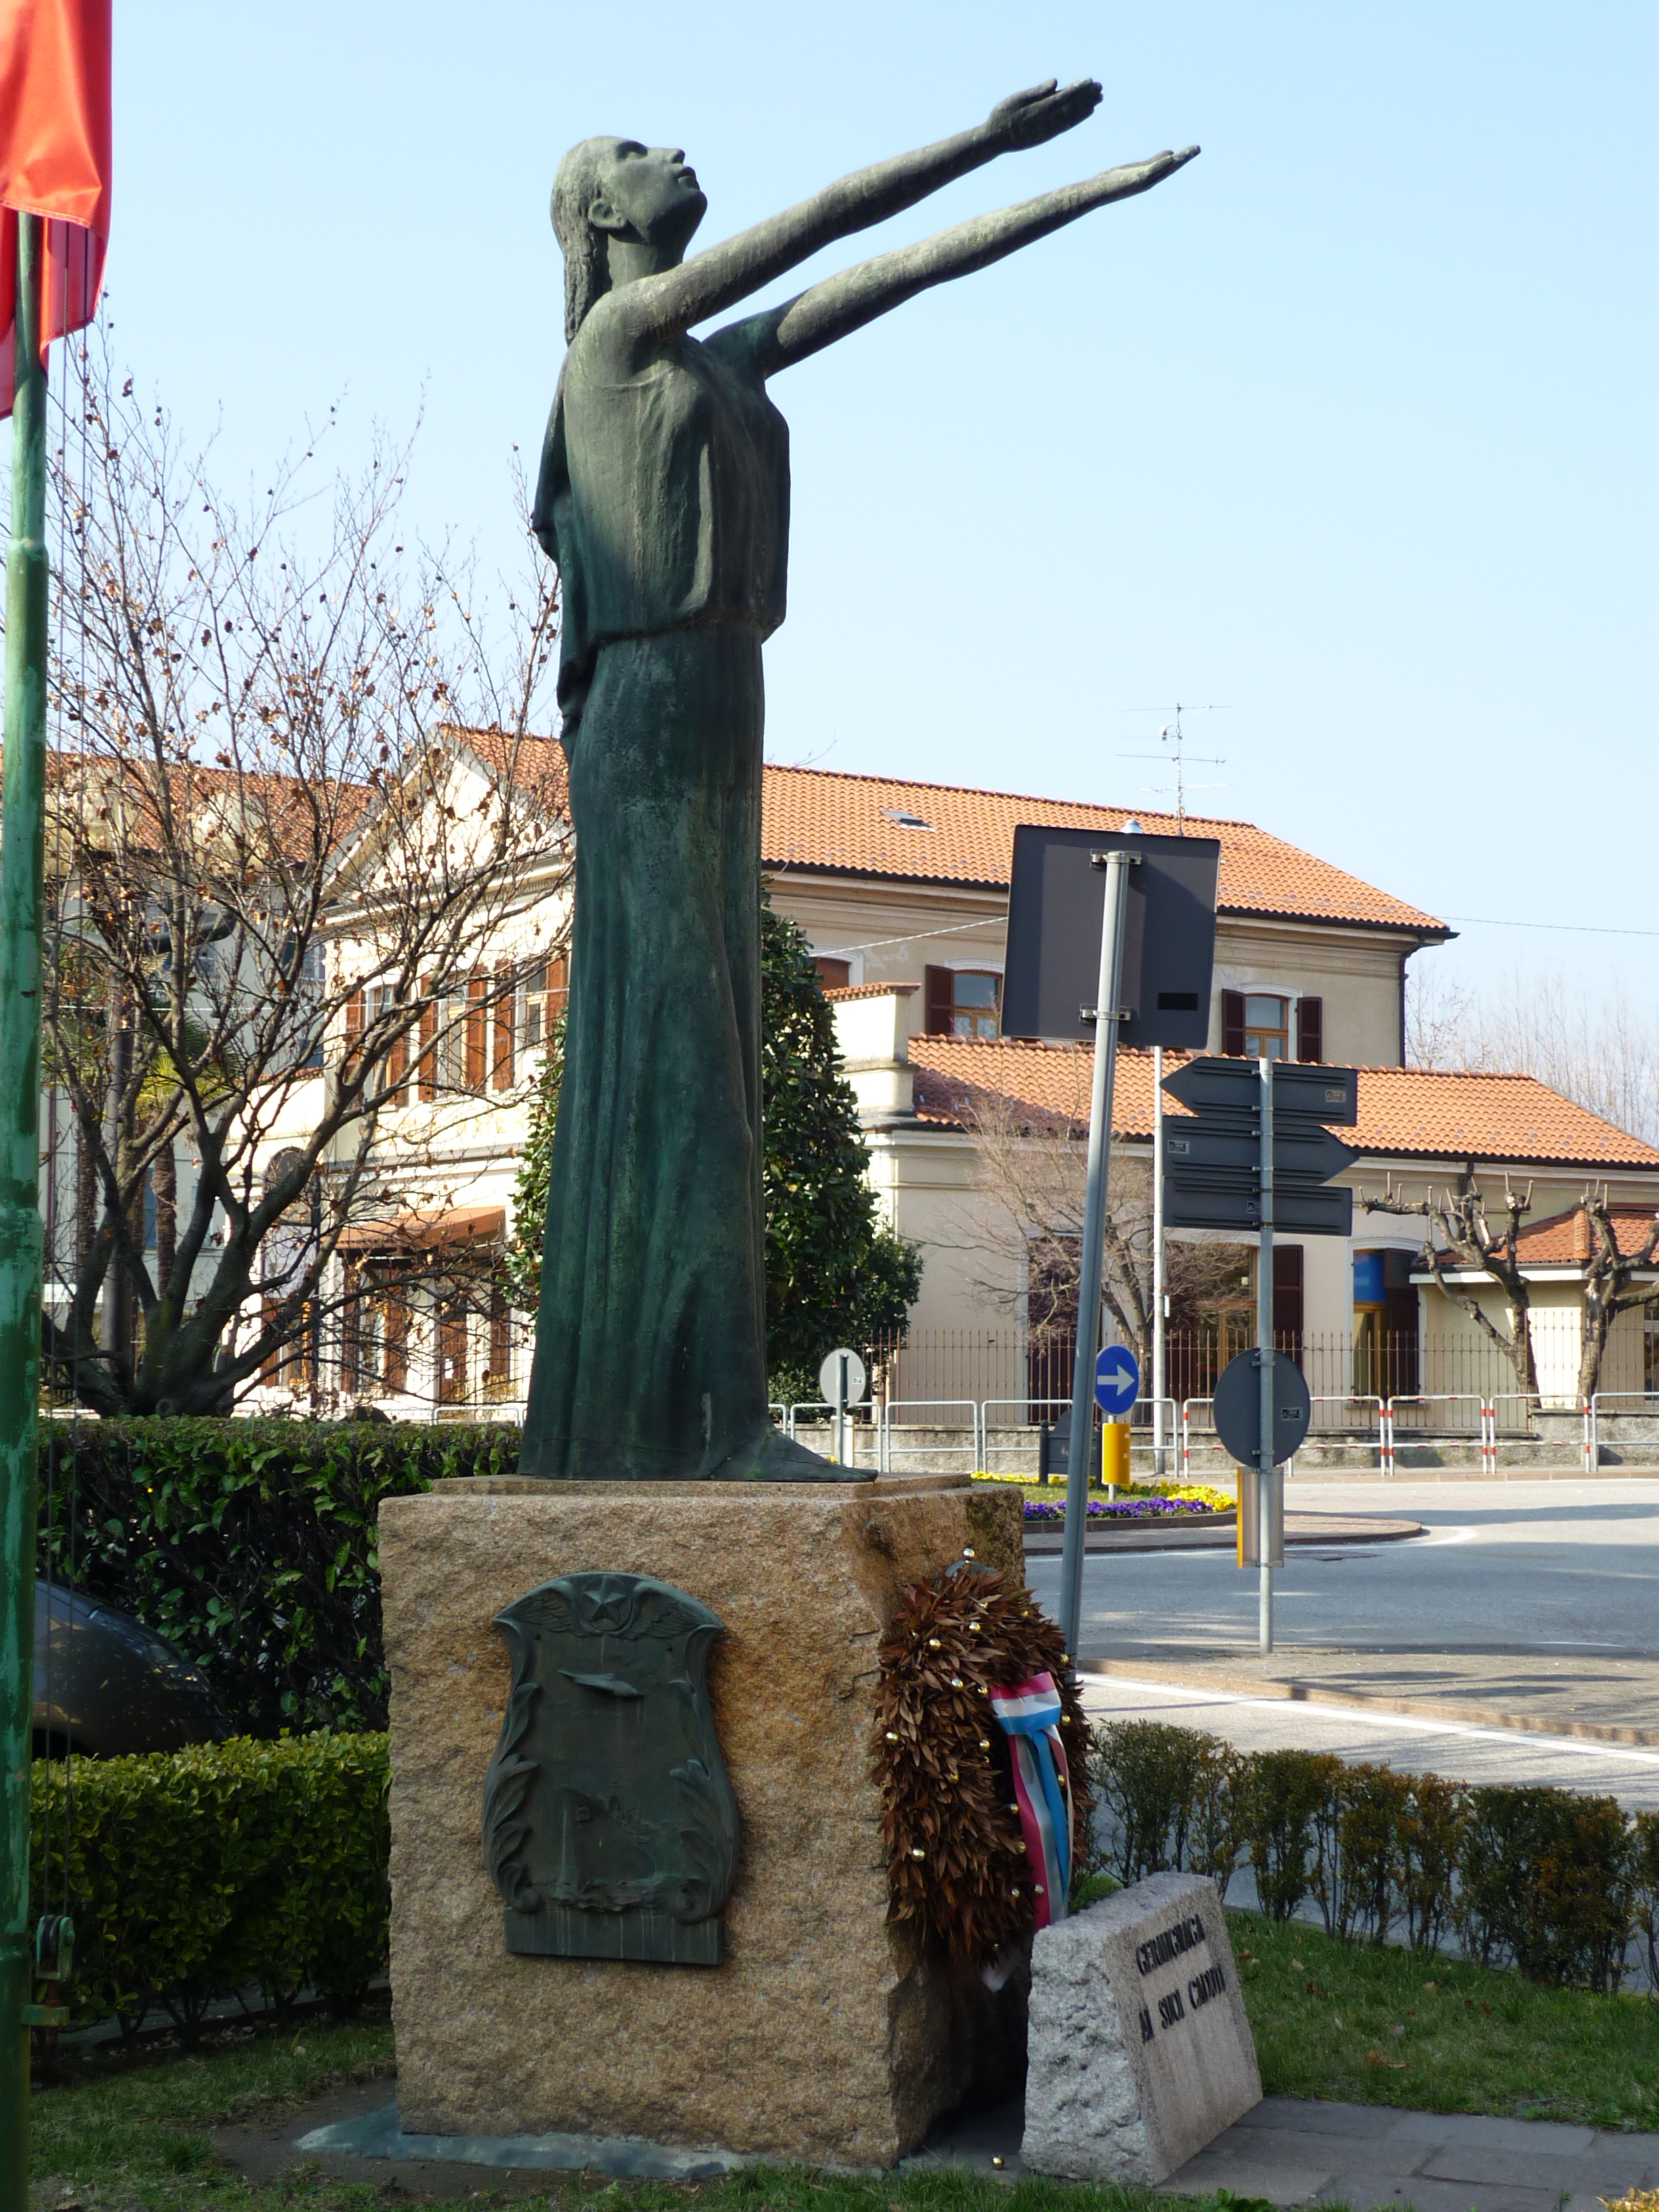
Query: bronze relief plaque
point(610, 1826)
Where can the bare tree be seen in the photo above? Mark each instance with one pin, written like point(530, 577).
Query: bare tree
point(278, 867)
point(1604, 1054)
point(1028, 1221)
point(1463, 1236)
point(1609, 1272)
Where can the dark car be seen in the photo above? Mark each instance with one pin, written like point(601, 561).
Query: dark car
point(104, 1685)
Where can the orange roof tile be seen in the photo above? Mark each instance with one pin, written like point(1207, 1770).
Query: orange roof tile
point(1410, 1112)
point(836, 991)
point(814, 818)
point(1565, 1239)
point(819, 819)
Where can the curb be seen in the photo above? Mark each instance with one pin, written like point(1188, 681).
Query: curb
point(1304, 1692)
point(1218, 1532)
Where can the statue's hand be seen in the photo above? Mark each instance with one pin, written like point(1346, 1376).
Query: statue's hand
point(1031, 118)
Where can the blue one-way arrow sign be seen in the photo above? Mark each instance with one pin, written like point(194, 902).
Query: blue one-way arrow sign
point(1117, 1379)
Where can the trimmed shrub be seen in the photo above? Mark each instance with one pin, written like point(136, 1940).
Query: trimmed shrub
point(191, 1874)
point(1281, 1797)
point(1546, 1885)
point(1355, 1872)
point(1168, 1795)
point(1429, 1843)
point(1542, 1880)
point(250, 1545)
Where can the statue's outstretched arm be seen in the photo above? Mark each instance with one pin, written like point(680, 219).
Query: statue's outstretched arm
point(709, 283)
point(815, 318)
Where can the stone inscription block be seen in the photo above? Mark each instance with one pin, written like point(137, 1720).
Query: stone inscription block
point(1140, 2053)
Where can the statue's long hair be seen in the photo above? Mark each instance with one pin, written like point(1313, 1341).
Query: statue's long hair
point(587, 266)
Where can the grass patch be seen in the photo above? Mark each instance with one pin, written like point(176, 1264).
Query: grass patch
point(1445, 2036)
point(1384, 2027)
point(139, 2138)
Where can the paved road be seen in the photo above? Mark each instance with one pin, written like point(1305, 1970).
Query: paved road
point(1568, 1568)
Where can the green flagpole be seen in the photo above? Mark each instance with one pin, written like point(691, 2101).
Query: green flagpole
point(22, 845)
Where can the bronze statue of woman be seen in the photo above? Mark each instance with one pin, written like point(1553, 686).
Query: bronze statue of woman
point(664, 497)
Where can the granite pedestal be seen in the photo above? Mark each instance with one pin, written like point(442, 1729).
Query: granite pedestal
point(824, 2034)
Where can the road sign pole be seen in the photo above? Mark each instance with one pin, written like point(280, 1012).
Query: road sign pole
point(1160, 1465)
point(840, 1409)
point(21, 850)
point(1264, 1348)
point(1107, 996)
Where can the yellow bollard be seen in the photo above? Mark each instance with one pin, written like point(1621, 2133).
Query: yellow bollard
point(1114, 1455)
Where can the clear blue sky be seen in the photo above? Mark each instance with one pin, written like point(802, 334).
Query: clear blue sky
point(1350, 426)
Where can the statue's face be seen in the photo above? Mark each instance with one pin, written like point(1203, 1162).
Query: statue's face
point(650, 191)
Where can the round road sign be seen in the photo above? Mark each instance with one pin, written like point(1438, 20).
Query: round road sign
point(1117, 1379)
point(1239, 1407)
point(830, 1378)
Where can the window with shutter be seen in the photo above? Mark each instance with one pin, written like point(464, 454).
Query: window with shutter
point(1232, 1023)
point(1310, 1029)
point(834, 974)
point(941, 988)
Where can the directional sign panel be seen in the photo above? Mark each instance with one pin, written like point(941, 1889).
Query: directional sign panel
point(1302, 1150)
point(1117, 1379)
point(1237, 1407)
point(1300, 1212)
point(1301, 1090)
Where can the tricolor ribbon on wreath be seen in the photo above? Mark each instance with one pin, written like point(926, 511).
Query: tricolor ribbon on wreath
point(1028, 1713)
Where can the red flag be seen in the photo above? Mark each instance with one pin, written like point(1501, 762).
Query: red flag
point(54, 159)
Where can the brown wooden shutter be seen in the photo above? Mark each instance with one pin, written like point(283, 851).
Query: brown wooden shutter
point(351, 1329)
point(477, 1019)
point(834, 974)
point(1287, 1297)
point(427, 1067)
point(354, 1026)
point(501, 1058)
point(1232, 1023)
point(394, 1337)
point(941, 984)
point(397, 1070)
point(558, 987)
point(1310, 1029)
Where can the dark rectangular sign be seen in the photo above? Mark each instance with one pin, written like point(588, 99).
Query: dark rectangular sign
point(1298, 1211)
point(1301, 1090)
point(1302, 1150)
point(1056, 899)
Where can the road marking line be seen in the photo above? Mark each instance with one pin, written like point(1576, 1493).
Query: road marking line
point(1405, 1724)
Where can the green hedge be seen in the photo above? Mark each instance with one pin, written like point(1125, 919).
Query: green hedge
point(193, 1874)
point(1553, 1883)
point(250, 1545)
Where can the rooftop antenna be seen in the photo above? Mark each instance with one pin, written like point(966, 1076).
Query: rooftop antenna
point(1171, 734)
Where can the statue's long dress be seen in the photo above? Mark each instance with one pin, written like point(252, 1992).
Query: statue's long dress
point(664, 497)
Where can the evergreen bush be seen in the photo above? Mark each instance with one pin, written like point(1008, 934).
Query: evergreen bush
point(250, 1545)
point(191, 1875)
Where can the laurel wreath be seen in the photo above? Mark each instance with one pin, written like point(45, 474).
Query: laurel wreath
point(956, 1863)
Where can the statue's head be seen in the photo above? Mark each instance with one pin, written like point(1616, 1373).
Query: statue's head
point(616, 188)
